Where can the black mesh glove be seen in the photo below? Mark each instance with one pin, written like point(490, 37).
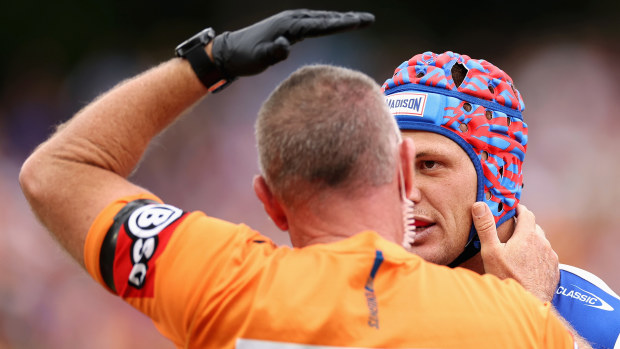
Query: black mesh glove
point(252, 49)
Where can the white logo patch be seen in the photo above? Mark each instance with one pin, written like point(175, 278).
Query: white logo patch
point(143, 226)
point(149, 220)
point(587, 298)
point(407, 103)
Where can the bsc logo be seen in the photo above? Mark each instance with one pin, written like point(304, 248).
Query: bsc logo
point(143, 226)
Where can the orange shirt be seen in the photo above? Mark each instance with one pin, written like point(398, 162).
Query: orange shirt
point(208, 283)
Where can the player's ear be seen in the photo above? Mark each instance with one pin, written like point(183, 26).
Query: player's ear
point(270, 203)
point(407, 161)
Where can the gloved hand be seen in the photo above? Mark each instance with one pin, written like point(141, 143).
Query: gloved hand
point(251, 50)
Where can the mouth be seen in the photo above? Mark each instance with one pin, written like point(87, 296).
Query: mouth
point(422, 229)
point(421, 225)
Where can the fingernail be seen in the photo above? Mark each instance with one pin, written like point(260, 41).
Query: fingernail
point(479, 209)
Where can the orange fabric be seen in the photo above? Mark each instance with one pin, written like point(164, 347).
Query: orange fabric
point(92, 245)
point(216, 282)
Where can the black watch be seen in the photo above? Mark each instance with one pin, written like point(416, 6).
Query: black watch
point(193, 49)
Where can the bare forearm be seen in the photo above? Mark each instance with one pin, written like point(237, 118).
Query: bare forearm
point(82, 167)
point(115, 129)
point(581, 342)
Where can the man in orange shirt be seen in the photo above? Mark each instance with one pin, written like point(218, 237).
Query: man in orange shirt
point(335, 174)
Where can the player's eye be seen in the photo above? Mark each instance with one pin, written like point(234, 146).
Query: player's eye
point(428, 164)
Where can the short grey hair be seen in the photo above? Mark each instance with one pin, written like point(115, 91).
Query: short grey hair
point(326, 127)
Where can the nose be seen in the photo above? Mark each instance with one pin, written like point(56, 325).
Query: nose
point(415, 195)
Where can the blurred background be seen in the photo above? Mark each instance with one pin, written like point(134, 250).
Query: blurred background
point(57, 56)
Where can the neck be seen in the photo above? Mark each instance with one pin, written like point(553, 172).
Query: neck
point(504, 232)
point(339, 214)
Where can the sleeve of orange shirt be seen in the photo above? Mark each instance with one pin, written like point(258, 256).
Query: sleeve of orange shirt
point(556, 338)
point(552, 333)
point(167, 263)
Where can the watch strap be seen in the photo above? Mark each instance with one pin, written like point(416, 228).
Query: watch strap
point(203, 67)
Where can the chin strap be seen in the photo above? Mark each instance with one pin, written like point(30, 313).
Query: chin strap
point(471, 249)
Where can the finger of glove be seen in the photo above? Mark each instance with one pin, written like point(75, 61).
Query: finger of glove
point(318, 23)
point(270, 53)
point(249, 62)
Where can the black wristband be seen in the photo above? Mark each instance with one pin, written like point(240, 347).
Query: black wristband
point(193, 49)
point(204, 68)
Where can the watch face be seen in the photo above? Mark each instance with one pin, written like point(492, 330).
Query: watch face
point(186, 46)
point(206, 35)
point(199, 40)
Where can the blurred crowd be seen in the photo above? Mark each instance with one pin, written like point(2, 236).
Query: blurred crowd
point(206, 162)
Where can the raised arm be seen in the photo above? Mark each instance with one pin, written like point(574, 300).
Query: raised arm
point(83, 167)
point(71, 177)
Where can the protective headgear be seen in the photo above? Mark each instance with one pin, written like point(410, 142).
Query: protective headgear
point(476, 105)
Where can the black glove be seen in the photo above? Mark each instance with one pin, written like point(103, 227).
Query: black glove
point(252, 49)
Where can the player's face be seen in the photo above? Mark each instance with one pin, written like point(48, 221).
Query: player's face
point(446, 180)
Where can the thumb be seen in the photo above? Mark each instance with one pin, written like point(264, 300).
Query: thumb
point(485, 225)
point(270, 53)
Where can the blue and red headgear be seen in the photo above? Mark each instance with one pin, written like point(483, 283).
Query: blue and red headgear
point(481, 112)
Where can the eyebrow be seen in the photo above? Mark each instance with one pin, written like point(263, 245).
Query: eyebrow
point(426, 153)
